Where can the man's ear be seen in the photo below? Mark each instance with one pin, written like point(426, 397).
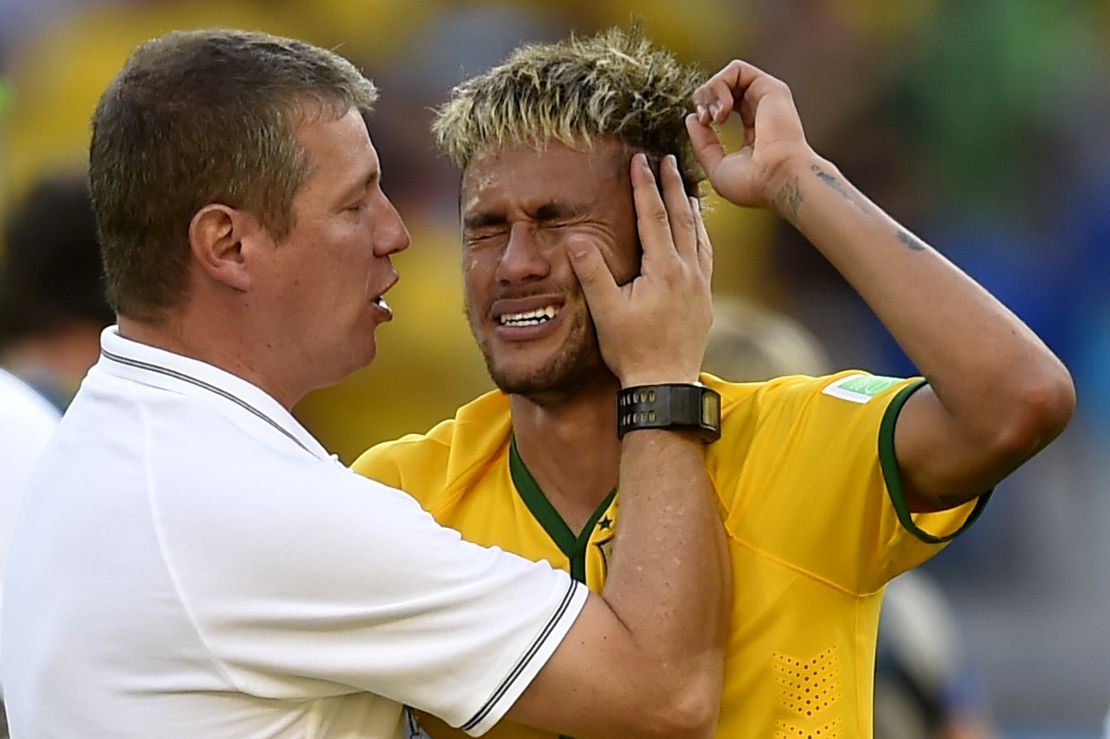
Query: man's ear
point(216, 234)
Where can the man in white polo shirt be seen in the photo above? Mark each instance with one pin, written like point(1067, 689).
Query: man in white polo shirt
point(27, 421)
point(191, 562)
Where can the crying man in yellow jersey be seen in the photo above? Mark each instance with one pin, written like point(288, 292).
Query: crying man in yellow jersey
point(828, 486)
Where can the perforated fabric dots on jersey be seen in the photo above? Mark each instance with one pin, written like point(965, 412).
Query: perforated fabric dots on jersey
point(807, 688)
point(831, 730)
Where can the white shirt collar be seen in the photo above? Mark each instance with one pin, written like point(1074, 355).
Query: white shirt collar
point(156, 367)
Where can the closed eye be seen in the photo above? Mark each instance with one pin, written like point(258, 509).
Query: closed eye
point(476, 237)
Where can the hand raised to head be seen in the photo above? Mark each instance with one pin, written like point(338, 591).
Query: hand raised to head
point(653, 329)
point(772, 132)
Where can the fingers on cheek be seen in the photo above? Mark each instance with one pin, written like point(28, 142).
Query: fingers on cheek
point(581, 245)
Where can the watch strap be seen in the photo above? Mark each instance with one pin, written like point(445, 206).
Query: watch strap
point(685, 406)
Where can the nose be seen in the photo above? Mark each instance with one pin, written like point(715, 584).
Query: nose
point(523, 257)
point(390, 234)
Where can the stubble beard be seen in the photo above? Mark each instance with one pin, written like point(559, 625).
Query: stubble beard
point(577, 364)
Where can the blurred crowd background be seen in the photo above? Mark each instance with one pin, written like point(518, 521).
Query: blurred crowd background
point(983, 126)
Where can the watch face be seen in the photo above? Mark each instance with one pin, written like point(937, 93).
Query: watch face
point(711, 409)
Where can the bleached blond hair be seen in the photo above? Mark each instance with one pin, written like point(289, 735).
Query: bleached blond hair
point(616, 83)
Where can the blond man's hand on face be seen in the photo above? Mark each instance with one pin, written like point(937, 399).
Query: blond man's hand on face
point(773, 134)
point(653, 329)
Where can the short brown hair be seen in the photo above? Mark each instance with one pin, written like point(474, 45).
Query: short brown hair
point(200, 117)
point(613, 84)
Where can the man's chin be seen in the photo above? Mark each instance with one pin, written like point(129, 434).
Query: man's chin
point(515, 377)
point(521, 385)
point(548, 384)
point(546, 376)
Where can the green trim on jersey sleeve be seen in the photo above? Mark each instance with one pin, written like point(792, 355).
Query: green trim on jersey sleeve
point(888, 460)
point(574, 547)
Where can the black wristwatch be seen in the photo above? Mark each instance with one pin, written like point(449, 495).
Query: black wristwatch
point(686, 406)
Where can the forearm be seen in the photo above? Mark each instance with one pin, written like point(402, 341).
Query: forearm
point(669, 581)
point(998, 387)
point(996, 395)
point(645, 659)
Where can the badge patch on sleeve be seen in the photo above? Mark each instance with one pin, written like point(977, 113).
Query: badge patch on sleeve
point(860, 388)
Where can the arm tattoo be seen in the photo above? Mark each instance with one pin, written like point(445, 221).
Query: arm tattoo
point(910, 240)
point(837, 186)
point(789, 200)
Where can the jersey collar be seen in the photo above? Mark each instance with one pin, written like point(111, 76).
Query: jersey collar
point(159, 368)
point(541, 508)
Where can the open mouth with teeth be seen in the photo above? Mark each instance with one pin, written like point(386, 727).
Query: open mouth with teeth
point(380, 302)
point(529, 317)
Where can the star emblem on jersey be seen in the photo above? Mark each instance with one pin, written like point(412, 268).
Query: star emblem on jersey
point(605, 523)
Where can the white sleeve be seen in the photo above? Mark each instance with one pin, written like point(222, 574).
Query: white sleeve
point(327, 583)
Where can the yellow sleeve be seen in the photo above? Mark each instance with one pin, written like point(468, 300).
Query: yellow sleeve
point(414, 464)
point(808, 478)
point(932, 528)
point(377, 464)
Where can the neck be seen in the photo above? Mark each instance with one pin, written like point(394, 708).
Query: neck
point(570, 448)
point(220, 344)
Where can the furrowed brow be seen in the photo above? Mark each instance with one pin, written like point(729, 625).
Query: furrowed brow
point(484, 219)
point(556, 210)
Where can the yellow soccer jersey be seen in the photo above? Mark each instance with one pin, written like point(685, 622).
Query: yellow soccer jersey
point(816, 521)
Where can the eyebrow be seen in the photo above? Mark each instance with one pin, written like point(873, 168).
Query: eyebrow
point(484, 219)
point(553, 210)
point(559, 209)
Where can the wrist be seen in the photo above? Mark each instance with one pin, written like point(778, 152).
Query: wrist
point(687, 407)
point(658, 377)
point(784, 177)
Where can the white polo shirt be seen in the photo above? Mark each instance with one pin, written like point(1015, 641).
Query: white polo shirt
point(191, 562)
point(27, 421)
